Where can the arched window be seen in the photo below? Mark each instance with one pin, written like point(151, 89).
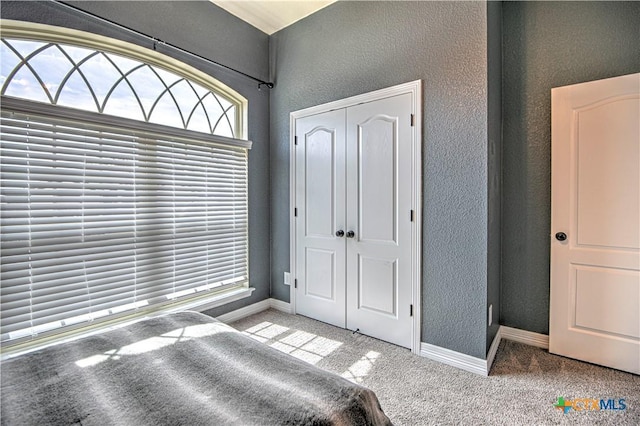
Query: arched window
point(104, 82)
point(124, 182)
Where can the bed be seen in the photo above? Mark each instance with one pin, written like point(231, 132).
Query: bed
point(181, 369)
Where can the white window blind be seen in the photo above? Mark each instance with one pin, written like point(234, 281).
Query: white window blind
point(98, 221)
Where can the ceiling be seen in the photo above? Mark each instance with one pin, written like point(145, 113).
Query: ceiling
point(271, 15)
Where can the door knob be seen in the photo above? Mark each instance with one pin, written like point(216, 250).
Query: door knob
point(351, 234)
point(340, 233)
point(561, 236)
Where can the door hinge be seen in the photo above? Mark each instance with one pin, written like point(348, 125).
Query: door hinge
point(411, 216)
point(295, 212)
point(412, 120)
point(295, 140)
point(410, 310)
point(295, 283)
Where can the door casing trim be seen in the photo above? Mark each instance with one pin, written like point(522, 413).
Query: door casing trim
point(415, 88)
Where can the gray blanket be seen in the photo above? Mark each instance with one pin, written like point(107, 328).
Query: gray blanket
point(181, 369)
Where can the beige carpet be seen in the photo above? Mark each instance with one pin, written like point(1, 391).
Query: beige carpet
point(524, 384)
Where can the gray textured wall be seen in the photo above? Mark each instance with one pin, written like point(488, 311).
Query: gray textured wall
point(547, 45)
point(355, 47)
point(350, 48)
point(494, 183)
point(211, 32)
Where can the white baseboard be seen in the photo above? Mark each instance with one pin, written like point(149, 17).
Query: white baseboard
point(281, 306)
point(493, 349)
point(238, 314)
point(255, 308)
point(478, 365)
point(454, 359)
point(526, 337)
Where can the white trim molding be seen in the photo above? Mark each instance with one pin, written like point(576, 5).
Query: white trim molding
point(478, 365)
point(493, 349)
point(200, 305)
point(279, 305)
point(455, 359)
point(523, 336)
point(255, 308)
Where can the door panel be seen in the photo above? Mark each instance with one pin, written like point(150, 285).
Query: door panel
point(595, 272)
point(378, 285)
point(320, 279)
point(377, 177)
point(319, 180)
point(600, 304)
point(608, 156)
point(378, 211)
point(320, 191)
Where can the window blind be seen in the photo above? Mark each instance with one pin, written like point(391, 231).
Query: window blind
point(98, 221)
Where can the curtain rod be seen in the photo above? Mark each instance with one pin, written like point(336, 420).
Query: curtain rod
point(156, 40)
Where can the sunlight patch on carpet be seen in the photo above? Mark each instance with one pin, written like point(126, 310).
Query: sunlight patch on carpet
point(303, 345)
point(361, 368)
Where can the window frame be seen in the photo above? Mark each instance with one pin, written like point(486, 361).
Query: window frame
point(48, 33)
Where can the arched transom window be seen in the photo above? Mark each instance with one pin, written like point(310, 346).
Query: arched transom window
point(109, 83)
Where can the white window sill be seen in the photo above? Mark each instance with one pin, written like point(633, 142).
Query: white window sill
point(213, 302)
point(200, 305)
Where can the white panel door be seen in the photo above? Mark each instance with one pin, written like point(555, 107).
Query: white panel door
point(379, 213)
point(595, 222)
point(320, 195)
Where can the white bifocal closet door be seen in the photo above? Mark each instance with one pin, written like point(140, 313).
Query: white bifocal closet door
point(353, 229)
point(320, 194)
